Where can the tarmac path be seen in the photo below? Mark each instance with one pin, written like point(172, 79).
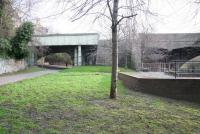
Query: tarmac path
point(19, 77)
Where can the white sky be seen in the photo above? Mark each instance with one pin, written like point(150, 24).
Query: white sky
point(174, 16)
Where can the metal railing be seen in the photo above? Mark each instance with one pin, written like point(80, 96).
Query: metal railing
point(176, 68)
point(154, 67)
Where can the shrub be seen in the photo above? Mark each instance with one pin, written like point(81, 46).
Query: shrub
point(20, 41)
point(5, 47)
point(59, 59)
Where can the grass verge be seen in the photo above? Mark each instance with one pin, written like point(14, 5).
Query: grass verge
point(77, 102)
point(92, 69)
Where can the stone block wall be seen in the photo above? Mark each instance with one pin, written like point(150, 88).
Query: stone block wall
point(11, 65)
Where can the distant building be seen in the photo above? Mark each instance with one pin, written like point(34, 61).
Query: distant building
point(39, 29)
point(21, 17)
point(18, 18)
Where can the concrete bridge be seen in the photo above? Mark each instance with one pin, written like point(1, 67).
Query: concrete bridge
point(79, 46)
point(171, 41)
point(168, 47)
point(87, 49)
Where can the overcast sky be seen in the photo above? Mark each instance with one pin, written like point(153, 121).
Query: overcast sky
point(174, 16)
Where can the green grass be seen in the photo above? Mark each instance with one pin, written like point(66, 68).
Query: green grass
point(103, 69)
point(77, 102)
point(27, 70)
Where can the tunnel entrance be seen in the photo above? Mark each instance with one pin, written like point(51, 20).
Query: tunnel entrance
point(77, 55)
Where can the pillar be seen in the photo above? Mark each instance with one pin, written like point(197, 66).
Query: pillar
point(75, 56)
point(79, 56)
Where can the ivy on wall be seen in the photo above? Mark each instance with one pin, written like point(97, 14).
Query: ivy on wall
point(20, 41)
point(13, 44)
point(5, 47)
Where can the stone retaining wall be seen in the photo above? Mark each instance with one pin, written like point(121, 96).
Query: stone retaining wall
point(183, 89)
point(11, 65)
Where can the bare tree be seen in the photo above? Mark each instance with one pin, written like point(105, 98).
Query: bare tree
point(6, 22)
point(115, 11)
point(39, 50)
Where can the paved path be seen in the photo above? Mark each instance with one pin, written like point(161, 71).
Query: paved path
point(14, 78)
point(156, 75)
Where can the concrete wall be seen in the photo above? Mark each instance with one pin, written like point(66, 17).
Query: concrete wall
point(183, 89)
point(157, 47)
point(104, 53)
point(11, 65)
point(171, 41)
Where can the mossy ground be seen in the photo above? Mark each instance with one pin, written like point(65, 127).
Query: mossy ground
point(77, 101)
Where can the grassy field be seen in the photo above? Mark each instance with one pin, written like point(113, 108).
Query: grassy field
point(28, 70)
point(76, 101)
point(92, 69)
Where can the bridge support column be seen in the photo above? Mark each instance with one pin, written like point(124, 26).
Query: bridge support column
point(75, 56)
point(79, 56)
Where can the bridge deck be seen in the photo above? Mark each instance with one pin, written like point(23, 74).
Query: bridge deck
point(65, 39)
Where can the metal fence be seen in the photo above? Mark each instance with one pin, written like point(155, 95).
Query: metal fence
point(154, 67)
point(176, 68)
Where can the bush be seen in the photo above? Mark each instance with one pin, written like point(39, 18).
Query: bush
point(5, 47)
point(59, 59)
point(20, 41)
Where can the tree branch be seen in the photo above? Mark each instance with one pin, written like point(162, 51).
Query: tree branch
point(109, 8)
point(124, 17)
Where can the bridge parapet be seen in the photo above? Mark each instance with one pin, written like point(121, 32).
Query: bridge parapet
point(65, 39)
point(171, 41)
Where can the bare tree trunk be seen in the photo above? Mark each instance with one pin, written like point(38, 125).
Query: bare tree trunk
point(129, 10)
point(113, 90)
